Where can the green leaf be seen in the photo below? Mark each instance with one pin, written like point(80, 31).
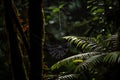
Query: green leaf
point(90, 1)
point(98, 11)
point(61, 6)
point(95, 18)
point(78, 61)
point(56, 10)
point(94, 8)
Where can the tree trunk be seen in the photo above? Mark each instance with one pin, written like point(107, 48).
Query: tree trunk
point(36, 39)
point(16, 58)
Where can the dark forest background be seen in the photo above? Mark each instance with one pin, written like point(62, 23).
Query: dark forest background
point(59, 39)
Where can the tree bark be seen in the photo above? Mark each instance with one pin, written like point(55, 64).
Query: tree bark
point(36, 39)
point(16, 58)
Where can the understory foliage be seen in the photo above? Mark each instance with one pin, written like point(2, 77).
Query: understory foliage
point(95, 54)
point(85, 36)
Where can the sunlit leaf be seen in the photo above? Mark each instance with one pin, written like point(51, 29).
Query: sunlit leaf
point(78, 61)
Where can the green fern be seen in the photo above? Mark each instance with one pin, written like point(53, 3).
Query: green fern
point(68, 77)
point(96, 53)
point(91, 62)
point(66, 61)
point(112, 57)
point(87, 44)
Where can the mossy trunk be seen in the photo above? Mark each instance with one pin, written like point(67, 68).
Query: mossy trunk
point(16, 58)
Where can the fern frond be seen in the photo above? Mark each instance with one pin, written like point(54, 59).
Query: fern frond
point(113, 57)
point(87, 44)
point(66, 61)
point(114, 42)
point(68, 77)
point(91, 62)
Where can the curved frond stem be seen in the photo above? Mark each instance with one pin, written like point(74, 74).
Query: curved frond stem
point(66, 61)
